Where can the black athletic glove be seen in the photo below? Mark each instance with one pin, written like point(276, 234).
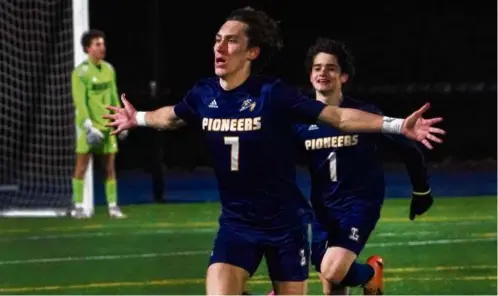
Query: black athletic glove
point(420, 203)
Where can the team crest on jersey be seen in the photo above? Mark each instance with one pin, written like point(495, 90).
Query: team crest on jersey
point(248, 104)
point(313, 127)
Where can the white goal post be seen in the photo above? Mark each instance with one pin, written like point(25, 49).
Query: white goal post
point(80, 25)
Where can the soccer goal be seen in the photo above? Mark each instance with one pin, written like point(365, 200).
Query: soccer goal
point(39, 47)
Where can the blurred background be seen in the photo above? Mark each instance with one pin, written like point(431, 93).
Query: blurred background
point(407, 53)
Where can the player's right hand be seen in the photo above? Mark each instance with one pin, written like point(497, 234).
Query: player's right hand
point(93, 135)
point(123, 118)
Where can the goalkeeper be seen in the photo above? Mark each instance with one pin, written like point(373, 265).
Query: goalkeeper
point(93, 85)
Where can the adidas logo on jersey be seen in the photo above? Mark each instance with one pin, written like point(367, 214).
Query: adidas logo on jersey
point(313, 127)
point(213, 104)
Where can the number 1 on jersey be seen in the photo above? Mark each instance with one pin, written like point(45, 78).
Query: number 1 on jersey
point(234, 152)
point(333, 166)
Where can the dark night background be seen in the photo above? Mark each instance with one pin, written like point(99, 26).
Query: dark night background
point(406, 52)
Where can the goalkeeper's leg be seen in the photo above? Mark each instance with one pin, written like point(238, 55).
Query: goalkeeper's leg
point(111, 188)
point(82, 160)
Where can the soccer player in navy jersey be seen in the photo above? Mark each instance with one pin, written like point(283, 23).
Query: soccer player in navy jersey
point(347, 178)
point(247, 120)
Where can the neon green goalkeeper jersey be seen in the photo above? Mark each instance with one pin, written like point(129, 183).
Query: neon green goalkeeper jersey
point(93, 88)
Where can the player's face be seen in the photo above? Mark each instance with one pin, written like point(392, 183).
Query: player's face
point(326, 75)
point(231, 53)
point(97, 48)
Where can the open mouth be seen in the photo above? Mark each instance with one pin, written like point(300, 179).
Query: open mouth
point(219, 61)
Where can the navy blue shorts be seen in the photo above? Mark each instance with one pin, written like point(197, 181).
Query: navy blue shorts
point(347, 230)
point(286, 254)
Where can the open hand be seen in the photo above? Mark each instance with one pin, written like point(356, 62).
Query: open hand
point(419, 129)
point(123, 118)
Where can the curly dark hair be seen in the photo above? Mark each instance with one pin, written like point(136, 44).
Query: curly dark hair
point(333, 47)
point(262, 31)
point(88, 36)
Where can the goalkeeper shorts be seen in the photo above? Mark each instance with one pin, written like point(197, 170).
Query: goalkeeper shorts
point(108, 145)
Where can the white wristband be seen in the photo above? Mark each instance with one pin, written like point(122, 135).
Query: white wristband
point(140, 117)
point(391, 125)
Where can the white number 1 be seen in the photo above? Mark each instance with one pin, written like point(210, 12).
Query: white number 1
point(234, 153)
point(333, 166)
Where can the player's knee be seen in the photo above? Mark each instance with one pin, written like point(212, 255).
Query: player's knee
point(336, 265)
point(335, 273)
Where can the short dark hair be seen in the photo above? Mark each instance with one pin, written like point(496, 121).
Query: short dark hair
point(333, 47)
point(88, 36)
point(262, 31)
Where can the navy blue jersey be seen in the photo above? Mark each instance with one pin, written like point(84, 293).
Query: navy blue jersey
point(249, 132)
point(346, 168)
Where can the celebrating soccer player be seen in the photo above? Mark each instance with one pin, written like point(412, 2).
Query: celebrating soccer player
point(93, 86)
point(248, 121)
point(348, 179)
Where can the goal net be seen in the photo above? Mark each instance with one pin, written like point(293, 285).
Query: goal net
point(36, 111)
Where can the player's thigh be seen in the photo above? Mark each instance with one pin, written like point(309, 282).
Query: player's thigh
point(225, 279)
point(82, 146)
point(287, 258)
point(109, 145)
point(236, 252)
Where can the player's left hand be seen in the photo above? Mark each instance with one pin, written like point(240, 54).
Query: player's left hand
point(420, 204)
point(419, 129)
point(123, 135)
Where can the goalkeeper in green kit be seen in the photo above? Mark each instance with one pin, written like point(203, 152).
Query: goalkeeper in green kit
point(93, 85)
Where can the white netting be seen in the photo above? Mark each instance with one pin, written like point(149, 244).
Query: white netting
point(36, 110)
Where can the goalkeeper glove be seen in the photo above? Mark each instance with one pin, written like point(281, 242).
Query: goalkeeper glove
point(93, 135)
point(420, 203)
point(122, 135)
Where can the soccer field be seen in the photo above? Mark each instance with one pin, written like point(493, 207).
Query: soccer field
point(163, 249)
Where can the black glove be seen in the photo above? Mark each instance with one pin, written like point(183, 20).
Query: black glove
point(421, 203)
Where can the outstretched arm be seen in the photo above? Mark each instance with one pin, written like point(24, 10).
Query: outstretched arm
point(351, 120)
point(128, 117)
point(413, 127)
point(167, 118)
point(162, 118)
point(300, 109)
